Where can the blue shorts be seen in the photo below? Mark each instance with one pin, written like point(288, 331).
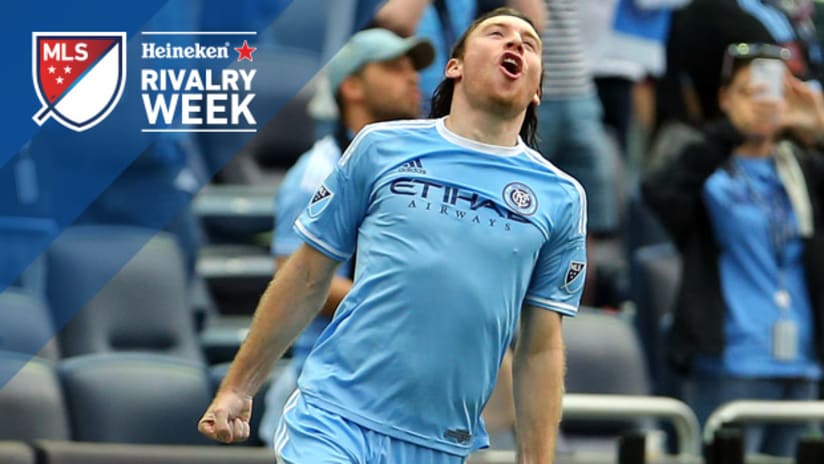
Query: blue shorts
point(310, 435)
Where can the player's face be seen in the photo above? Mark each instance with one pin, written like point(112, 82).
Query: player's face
point(390, 89)
point(501, 63)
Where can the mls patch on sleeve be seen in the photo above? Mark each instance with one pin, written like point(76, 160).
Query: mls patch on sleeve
point(574, 277)
point(320, 200)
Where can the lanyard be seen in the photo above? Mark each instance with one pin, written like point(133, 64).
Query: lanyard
point(777, 211)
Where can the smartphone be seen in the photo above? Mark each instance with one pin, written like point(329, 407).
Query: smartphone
point(768, 73)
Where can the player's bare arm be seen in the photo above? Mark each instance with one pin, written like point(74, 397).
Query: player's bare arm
point(337, 290)
point(538, 373)
point(287, 306)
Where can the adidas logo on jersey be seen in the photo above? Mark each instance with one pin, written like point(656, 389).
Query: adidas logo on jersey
point(414, 165)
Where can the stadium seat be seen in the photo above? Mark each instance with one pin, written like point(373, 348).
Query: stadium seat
point(656, 273)
point(56, 452)
point(26, 325)
point(237, 276)
point(286, 136)
point(23, 238)
point(143, 308)
point(599, 345)
point(604, 356)
point(14, 452)
point(135, 398)
point(201, 301)
point(236, 213)
point(31, 402)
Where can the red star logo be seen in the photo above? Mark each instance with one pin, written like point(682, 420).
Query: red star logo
point(245, 52)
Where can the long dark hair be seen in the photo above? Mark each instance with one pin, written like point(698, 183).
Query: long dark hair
point(442, 97)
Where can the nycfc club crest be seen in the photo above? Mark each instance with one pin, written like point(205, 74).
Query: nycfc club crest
point(78, 76)
point(520, 198)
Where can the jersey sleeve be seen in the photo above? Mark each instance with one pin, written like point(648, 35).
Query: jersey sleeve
point(330, 221)
point(560, 271)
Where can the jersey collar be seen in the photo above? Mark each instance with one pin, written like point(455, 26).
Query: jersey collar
point(478, 146)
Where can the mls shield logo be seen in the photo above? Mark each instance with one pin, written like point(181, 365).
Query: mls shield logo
point(574, 277)
point(320, 200)
point(78, 76)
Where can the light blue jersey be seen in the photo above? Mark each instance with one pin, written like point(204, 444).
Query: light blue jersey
point(293, 195)
point(453, 237)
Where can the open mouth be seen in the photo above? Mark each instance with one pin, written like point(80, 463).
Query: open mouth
point(512, 65)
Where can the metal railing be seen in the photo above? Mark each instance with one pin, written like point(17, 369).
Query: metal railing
point(600, 407)
point(586, 406)
point(763, 411)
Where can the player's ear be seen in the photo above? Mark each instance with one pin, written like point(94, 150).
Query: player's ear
point(454, 69)
point(536, 99)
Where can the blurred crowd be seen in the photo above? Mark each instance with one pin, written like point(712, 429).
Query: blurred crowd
point(656, 107)
point(701, 165)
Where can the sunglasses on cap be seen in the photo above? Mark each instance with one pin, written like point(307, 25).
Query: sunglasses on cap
point(739, 54)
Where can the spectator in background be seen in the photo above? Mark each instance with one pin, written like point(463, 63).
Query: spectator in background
point(687, 95)
point(747, 214)
point(633, 50)
point(569, 121)
point(374, 78)
point(701, 31)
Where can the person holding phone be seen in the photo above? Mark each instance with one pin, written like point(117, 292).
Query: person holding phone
point(745, 207)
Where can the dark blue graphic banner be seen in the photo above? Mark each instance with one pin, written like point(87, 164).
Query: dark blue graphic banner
point(119, 112)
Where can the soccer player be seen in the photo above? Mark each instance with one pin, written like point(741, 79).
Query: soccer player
point(461, 230)
point(374, 78)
